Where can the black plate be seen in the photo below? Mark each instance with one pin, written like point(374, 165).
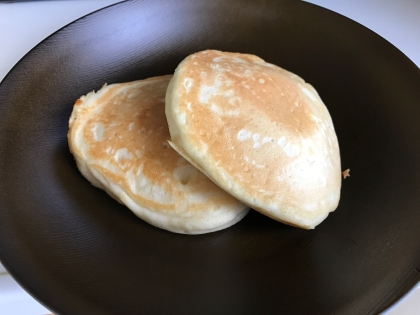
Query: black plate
point(79, 252)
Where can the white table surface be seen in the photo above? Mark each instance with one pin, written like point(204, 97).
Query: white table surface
point(24, 24)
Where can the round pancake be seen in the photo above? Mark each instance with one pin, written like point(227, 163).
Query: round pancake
point(118, 137)
point(259, 132)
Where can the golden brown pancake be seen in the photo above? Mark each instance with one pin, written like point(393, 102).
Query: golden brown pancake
point(118, 137)
point(258, 131)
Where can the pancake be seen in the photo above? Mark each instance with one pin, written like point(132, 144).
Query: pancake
point(258, 131)
point(118, 137)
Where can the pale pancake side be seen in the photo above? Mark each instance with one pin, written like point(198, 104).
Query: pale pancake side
point(259, 132)
point(118, 137)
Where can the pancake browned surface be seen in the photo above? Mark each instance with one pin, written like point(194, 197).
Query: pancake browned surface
point(118, 137)
point(259, 132)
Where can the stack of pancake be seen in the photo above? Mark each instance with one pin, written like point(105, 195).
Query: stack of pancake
point(190, 153)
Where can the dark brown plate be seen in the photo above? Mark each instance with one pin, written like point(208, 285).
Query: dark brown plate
point(79, 252)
